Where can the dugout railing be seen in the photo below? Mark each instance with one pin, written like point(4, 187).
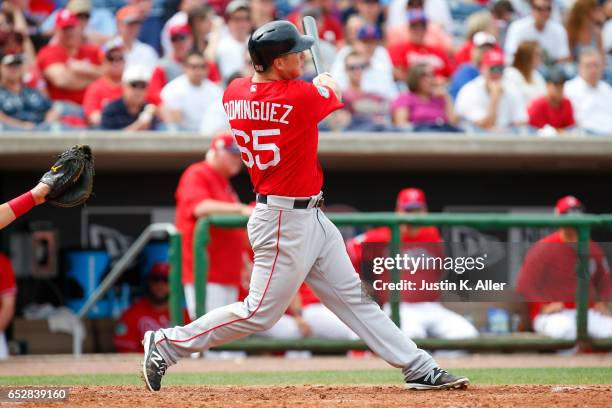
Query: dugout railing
point(583, 223)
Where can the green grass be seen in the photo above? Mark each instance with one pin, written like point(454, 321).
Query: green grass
point(573, 375)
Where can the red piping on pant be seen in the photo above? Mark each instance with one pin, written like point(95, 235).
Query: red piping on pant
point(260, 302)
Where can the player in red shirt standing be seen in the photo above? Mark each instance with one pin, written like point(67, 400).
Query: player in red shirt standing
point(8, 295)
point(274, 118)
point(548, 280)
point(205, 189)
point(421, 313)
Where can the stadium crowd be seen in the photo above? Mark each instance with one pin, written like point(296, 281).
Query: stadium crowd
point(521, 66)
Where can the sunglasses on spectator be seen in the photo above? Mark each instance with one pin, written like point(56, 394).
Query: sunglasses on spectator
point(138, 85)
point(497, 69)
point(246, 18)
point(158, 279)
point(177, 38)
point(83, 16)
point(356, 67)
point(196, 66)
point(115, 58)
point(543, 9)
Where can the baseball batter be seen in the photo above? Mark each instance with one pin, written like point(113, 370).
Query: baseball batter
point(274, 119)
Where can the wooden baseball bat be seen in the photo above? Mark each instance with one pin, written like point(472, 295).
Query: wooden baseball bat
point(310, 28)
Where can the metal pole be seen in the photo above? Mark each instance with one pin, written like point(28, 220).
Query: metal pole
point(582, 284)
point(176, 286)
point(394, 296)
point(200, 267)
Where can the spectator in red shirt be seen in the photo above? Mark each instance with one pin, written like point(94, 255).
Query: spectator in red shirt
point(415, 51)
point(148, 313)
point(171, 66)
point(205, 189)
point(547, 280)
point(8, 295)
point(330, 28)
point(553, 110)
point(69, 66)
point(108, 87)
point(421, 313)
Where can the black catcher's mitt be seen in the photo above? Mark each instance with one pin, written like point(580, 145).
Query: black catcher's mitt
point(70, 177)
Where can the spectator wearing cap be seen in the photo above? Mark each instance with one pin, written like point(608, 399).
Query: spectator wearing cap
point(22, 107)
point(547, 279)
point(523, 74)
point(481, 42)
point(438, 11)
point(479, 22)
point(486, 102)
point(97, 24)
point(427, 107)
point(186, 98)
point(435, 34)
point(377, 76)
point(137, 53)
point(552, 110)
point(204, 189)
point(131, 111)
point(229, 50)
point(368, 111)
point(69, 66)
point(180, 18)
point(262, 12)
point(415, 51)
point(539, 27)
point(171, 66)
point(108, 87)
point(421, 313)
point(590, 96)
point(150, 312)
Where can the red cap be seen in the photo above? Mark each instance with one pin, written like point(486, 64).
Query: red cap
point(225, 141)
point(568, 204)
point(182, 29)
point(492, 58)
point(129, 14)
point(65, 18)
point(160, 269)
point(411, 199)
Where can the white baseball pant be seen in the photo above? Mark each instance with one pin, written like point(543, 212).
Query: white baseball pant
point(217, 295)
point(431, 319)
point(562, 325)
point(290, 246)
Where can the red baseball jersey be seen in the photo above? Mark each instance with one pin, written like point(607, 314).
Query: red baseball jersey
point(548, 274)
point(427, 242)
point(199, 182)
point(407, 54)
point(7, 277)
point(136, 321)
point(275, 126)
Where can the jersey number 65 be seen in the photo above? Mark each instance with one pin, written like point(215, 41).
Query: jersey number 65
point(247, 156)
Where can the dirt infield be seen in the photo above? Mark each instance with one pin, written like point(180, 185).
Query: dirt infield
point(341, 396)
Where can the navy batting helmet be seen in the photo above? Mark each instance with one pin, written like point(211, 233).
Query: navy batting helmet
point(274, 39)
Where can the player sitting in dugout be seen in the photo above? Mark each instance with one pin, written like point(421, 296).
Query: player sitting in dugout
point(306, 316)
point(421, 314)
point(548, 280)
point(151, 312)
